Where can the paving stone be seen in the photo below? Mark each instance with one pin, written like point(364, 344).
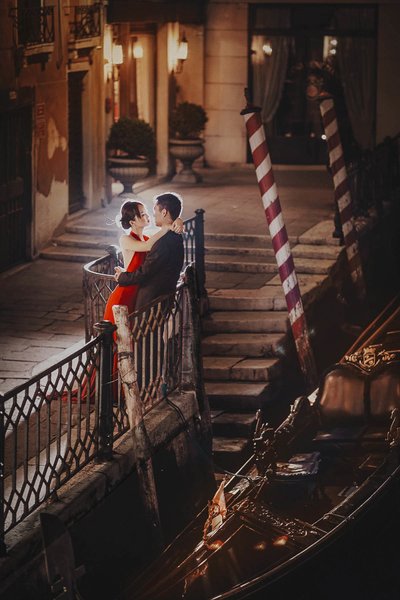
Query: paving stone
point(64, 316)
point(10, 368)
point(67, 327)
point(34, 354)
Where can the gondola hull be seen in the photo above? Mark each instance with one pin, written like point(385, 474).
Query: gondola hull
point(316, 495)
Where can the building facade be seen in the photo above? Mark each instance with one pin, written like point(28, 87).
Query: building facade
point(72, 67)
point(52, 119)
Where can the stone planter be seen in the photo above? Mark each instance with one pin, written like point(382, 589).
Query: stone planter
point(128, 171)
point(186, 151)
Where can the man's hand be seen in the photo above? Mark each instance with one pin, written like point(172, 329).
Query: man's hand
point(118, 271)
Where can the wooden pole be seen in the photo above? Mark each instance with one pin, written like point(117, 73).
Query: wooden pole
point(141, 442)
point(280, 240)
point(342, 191)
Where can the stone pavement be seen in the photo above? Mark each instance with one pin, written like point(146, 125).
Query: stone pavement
point(41, 302)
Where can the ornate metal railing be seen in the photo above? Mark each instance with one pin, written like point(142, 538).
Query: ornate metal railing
point(65, 417)
point(98, 281)
point(86, 21)
point(33, 26)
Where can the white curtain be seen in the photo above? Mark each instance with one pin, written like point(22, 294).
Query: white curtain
point(270, 64)
point(269, 72)
point(356, 59)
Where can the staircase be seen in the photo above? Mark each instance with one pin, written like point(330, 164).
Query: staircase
point(81, 243)
point(246, 332)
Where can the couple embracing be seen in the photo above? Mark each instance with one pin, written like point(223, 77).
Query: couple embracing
point(152, 265)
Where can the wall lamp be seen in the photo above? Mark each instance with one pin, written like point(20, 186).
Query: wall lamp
point(117, 54)
point(181, 54)
point(137, 48)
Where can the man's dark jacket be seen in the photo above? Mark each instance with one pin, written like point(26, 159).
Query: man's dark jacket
point(160, 271)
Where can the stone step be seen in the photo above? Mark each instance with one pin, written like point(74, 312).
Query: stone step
point(71, 254)
point(237, 396)
point(230, 453)
point(86, 230)
point(269, 297)
point(231, 425)
point(242, 239)
point(238, 368)
point(239, 251)
point(317, 251)
point(77, 240)
point(242, 264)
point(320, 234)
point(244, 344)
point(298, 251)
point(246, 321)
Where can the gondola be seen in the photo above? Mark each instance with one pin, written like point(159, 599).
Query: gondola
point(310, 482)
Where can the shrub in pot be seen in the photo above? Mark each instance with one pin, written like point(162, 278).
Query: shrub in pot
point(131, 147)
point(187, 121)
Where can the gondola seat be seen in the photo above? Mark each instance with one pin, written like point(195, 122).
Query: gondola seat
point(354, 404)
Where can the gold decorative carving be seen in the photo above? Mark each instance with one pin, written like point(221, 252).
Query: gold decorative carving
point(371, 357)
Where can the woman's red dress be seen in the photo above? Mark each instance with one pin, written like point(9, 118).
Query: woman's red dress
point(126, 296)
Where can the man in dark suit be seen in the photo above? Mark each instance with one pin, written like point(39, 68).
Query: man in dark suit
point(157, 276)
point(161, 269)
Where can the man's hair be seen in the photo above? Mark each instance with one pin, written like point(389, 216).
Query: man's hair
point(171, 202)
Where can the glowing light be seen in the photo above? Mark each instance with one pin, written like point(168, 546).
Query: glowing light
point(267, 48)
point(281, 541)
point(260, 546)
point(215, 545)
point(117, 55)
point(183, 49)
point(333, 42)
point(323, 137)
point(137, 50)
point(332, 51)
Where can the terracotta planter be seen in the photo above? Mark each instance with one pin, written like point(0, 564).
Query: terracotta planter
point(128, 171)
point(186, 151)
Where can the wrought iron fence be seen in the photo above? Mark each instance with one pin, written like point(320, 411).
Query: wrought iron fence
point(62, 419)
point(374, 178)
point(33, 26)
point(98, 280)
point(86, 21)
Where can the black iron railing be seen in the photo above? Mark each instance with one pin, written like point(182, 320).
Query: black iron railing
point(374, 178)
point(72, 413)
point(86, 21)
point(98, 281)
point(33, 26)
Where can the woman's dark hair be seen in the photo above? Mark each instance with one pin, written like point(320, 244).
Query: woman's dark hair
point(128, 212)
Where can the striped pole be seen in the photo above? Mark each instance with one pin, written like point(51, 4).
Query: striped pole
point(280, 241)
point(342, 192)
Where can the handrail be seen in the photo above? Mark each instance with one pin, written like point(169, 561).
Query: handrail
point(72, 413)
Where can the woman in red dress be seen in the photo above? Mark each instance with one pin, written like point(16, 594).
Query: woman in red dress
point(134, 246)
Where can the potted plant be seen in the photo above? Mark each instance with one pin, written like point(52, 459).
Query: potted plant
point(186, 123)
point(131, 150)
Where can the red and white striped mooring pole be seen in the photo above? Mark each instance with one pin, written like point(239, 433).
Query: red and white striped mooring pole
point(280, 242)
point(342, 191)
